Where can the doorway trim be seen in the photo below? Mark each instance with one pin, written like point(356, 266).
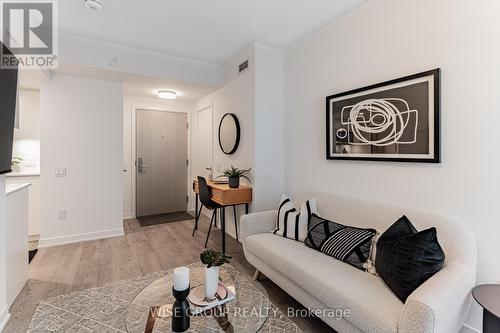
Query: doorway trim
point(209, 105)
point(133, 166)
point(203, 108)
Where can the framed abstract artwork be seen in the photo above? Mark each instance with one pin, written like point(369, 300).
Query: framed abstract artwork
point(397, 120)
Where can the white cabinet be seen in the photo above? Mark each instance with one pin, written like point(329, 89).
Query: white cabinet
point(17, 209)
point(34, 203)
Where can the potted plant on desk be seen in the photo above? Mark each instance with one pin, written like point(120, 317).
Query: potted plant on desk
point(213, 259)
point(234, 174)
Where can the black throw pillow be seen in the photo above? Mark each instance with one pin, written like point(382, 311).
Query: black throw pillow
point(406, 258)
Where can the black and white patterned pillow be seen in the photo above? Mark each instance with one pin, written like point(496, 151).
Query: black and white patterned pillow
point(291, 222)
point(348, 244)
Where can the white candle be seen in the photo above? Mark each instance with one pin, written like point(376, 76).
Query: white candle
point(181, 278)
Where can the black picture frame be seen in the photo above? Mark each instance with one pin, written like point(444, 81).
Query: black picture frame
point(238, 133)
point(433, 116)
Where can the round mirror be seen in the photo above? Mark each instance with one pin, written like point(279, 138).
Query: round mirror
point(229, 133)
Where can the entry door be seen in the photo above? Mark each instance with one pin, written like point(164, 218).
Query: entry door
point(203, 142)
point(161, 159)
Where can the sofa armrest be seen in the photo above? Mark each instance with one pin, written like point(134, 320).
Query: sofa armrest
point(440, 304)
point(257, 223)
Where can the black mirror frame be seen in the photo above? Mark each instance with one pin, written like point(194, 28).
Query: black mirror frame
point(238, 133)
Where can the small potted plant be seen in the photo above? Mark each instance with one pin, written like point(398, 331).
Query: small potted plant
point(234, 174)
point(213, 259)
point(16, 162)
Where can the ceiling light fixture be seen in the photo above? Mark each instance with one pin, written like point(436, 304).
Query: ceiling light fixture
point(167, 94)
point(93, 5)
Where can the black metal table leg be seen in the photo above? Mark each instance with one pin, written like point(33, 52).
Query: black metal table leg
point(223, 228)
point(235, 222)
point(246, 208)
point(488, 296)
point(491, 323)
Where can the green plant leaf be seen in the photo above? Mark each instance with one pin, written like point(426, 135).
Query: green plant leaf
point(214, 258)
point(234, 172)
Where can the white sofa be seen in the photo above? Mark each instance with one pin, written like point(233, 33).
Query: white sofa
point(320, 282)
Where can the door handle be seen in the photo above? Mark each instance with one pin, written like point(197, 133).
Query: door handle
point(140, 165)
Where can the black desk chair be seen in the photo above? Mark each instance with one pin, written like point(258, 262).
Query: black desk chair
point(207, 202)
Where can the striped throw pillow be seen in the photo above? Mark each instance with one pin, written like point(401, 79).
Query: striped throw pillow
point(292, 222)
point(348, 244)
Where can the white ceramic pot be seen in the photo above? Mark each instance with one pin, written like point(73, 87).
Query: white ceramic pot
point(211, 281)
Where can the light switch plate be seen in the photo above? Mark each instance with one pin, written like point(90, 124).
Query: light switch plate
point(30, 163)
point(61, 214)
point(59, 172)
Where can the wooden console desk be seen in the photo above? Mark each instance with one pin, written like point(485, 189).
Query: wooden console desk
point(224, 196)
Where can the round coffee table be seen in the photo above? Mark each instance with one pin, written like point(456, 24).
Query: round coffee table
point(488, 296)
point(246, 314)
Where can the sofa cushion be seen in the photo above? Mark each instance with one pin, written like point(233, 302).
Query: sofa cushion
point(407, 258)
point(348, 244)
point(292, 222)
point(334, 283)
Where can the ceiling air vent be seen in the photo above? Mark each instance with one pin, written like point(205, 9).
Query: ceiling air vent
point(243, 67)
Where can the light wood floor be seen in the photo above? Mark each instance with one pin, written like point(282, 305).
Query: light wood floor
point(62, 269)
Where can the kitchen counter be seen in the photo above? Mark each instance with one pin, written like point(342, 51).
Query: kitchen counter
point(23, 174)
point(12, 188)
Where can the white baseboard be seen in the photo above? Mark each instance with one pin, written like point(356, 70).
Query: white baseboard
point(469, 329)
point(53, 241)
point(4, 318)
point(128, 215)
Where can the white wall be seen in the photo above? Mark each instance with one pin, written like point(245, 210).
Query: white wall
point(256, 97)
point(387, 39)
point(4, 311)
point(237, 97)
point(268, 185)
point(27, 137)
point(132, 103)
point(82, 131)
